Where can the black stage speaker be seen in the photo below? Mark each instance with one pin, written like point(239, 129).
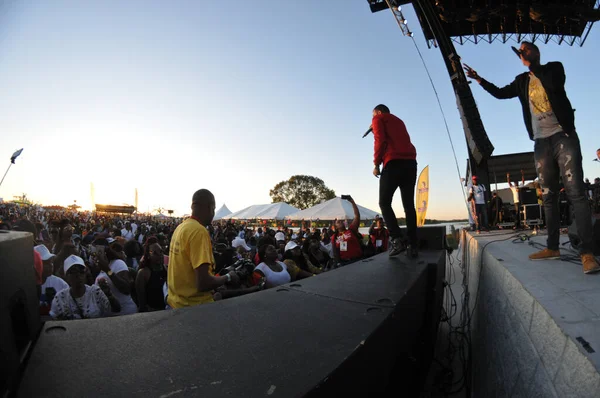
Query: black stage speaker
point(19, 305)
point(366, 329)
point(431, 237)
point(576, 242)
point(528, 196)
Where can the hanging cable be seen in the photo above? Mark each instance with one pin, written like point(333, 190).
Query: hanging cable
point(445, 120)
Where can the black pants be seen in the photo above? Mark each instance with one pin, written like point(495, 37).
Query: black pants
point(517, 214)
point(559, 156)
point(399, 174)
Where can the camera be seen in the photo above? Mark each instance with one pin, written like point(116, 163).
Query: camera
point(346, 197)
point(243, 268)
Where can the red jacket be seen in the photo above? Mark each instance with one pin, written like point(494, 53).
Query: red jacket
point(391, 139)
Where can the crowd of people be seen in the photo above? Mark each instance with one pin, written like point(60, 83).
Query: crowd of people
point(91, 265)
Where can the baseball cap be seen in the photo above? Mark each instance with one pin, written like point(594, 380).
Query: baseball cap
point(239, 242)
point(279, 236)
point(474, 177)
point(44, 252)
point(73, 260)
point(291, 245)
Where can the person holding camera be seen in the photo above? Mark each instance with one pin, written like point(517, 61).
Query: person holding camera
point(191, 272)
point(398, 155)
point(550, 121)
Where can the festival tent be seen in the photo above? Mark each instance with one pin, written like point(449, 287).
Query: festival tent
point(249, 213)
point(333, 209)
point(223, 212)
point(277, 211)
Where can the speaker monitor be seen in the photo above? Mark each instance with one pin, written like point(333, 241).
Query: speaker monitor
point(430, 237)
point(576, 242)
point(19, 305)
point(366, 329)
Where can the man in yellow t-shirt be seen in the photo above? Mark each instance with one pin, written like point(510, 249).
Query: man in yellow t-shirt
point(191, 278)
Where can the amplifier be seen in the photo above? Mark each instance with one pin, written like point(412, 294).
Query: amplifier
point(528, 196)
point(532, 214)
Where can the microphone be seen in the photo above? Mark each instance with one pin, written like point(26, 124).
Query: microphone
point(368, 131)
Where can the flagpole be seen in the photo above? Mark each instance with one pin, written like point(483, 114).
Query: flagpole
point(12, 161)
point(5, 173)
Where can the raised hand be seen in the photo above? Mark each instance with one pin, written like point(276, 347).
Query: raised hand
point(472, 73)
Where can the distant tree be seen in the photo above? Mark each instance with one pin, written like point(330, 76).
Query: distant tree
point(301, 191)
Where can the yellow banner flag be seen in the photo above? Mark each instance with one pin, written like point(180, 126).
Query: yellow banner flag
point(422, 196)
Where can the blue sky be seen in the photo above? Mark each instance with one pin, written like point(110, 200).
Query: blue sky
point(170, 97)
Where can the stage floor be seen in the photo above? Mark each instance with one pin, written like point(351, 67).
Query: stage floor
point(534, 290)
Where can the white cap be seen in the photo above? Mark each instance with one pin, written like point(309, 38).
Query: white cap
point(291, 245)
point(294, 236)
point(44, 252)
point(239, 242)
point(73, 260)
point(279, 236)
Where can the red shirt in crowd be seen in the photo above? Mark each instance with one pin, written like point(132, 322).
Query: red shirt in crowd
point(347, 243)
point(382, 235)
point(38, 265)
point(391, 139)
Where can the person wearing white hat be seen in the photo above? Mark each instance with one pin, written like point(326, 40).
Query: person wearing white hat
point(82, 301)
point(51, 285)
point(239, 242)
point(294, 253)
point(279, 236)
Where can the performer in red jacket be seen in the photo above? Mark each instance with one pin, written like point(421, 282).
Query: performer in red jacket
point(394, 150)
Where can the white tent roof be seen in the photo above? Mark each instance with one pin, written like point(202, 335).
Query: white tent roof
point(249, 213)
point(223, 212)
point(277, 211)
point(336, 208)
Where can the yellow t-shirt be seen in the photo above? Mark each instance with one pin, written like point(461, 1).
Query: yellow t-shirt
point(190, 248)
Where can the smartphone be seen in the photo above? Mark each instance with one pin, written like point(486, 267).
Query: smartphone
point(517, 51)
point(346, 197)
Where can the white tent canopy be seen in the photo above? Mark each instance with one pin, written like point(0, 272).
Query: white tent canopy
point(277, 211)
point(336, 208)
point(273, 211)
point(223, 212)
point(249, 213)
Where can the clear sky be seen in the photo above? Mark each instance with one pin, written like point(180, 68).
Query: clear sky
point(170, 97)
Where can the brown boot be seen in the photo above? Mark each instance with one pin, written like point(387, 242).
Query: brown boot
point(545, 254)
point(590, 265)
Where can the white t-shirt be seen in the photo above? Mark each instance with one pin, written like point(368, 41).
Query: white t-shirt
point(52, 282)
point(275, 278)
point(93, 304)
point(478, 192)
point(127, 304)
point(129, 235)
point(515, 192)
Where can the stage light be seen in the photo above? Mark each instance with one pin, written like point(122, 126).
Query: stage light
point(403, 21)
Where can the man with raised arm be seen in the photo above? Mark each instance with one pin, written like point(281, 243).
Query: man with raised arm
point(550, 121)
